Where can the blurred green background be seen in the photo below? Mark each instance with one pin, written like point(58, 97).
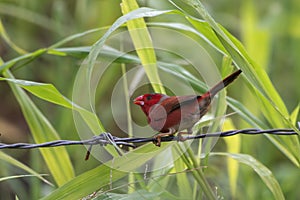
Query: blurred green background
point(270, 31)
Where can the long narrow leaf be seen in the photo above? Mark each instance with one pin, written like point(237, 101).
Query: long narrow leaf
point(264, 173)
point(6, 158)
point(49, 93)
point(143, 44)
point(259, 82)
point(57, 159)
point(104, 175)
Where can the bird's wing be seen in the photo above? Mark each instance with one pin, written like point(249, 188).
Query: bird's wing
point(176, 102)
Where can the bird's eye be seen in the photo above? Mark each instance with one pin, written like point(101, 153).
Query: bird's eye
point(149, 98)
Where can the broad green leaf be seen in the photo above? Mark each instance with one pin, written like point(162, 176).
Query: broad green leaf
point(42, 90)
point(49, 93)
point(57, 159)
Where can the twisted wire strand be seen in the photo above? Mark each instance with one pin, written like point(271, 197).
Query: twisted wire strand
point(108, 139)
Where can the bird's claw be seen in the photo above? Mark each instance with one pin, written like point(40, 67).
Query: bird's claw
point(157, 140)
point(180, 138)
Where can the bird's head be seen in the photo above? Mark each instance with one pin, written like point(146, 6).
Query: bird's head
point(148, 100)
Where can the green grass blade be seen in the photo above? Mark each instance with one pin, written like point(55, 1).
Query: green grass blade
point(49, 93)
point(184, 186)
point(264, 173)
point(18, 176)
point(255, 74)
point(57, 159)
point(6, 158)
point(9, 41)
point(24, 59)
point(233, 146)
point(143, 45)
point(246, 114)
point(192, 163)
point(274, 110)
point(295, 114)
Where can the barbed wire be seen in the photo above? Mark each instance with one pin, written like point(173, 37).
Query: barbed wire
point(106, 138)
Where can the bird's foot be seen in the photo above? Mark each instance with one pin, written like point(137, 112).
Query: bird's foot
point(180, 137)
point(157, 137)
point(157, 140)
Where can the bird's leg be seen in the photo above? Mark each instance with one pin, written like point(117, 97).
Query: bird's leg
point(182, 139)
point(157, 137)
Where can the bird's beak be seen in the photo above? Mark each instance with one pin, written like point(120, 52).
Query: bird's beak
point(139, 101)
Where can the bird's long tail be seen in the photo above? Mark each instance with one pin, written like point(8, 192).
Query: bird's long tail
point(205, 99)
point(222, 84)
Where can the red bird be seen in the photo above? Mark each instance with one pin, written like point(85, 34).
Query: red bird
point(169, 114)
